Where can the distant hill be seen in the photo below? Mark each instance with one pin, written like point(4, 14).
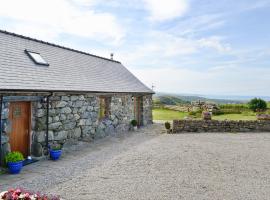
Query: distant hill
point(169, 100)
point(175, 99)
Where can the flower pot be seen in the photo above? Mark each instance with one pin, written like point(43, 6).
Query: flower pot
point(15, 167)
point(135, 128)
point(55, 154)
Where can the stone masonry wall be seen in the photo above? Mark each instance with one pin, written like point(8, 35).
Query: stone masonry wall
point(5, 130)
point(76, 117)
point(147, 109)
point(220, 126)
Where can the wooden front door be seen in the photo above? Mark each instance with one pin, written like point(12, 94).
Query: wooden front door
point(138, 110)
point(19, 116)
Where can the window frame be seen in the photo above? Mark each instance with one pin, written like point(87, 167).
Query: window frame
point(28, 52)
point(106, 107)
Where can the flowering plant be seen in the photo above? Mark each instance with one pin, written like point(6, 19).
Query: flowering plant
point(19, 194)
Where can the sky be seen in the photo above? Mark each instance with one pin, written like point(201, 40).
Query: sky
point(179, 46)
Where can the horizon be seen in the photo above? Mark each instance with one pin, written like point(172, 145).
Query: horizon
point(214, 96)
point(211, 48)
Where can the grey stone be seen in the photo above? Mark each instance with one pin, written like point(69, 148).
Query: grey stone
point(66, 110)
point(78, 104)
point(86, 130)
point(74, 98)
point(81, 97)
point(88, 122)
point(5, 150)
point(61, 135)
point(56, 119)
point(63, 117)
point(86, 115)
point(4, 139)
point(65, 98)
point(41, 136)
point(76, 117)
point(5, 113)
point(36, 149)
point(90, 108)
point(55, 126)
point(82, 122)
point(69, 125)
point(77, 133)
point(41, 112)
point(61, 104)
point(70, 116)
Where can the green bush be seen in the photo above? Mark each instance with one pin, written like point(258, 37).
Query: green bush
point(134, 122)
point(196, 114)
point(167, 125)
point(257, 105)
point(55, 146)
point(14, 156)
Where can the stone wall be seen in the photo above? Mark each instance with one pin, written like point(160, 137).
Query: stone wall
point(76, 117)
point(147, 109)
point(5, 130)
point(220, 126)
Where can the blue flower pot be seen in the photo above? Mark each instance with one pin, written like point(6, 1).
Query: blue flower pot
point(55, 154)
point(15, 167)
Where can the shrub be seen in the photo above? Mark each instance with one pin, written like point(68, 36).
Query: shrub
point(196, 114)
point(14, 156)
point(257, 105)
point(55, 146)
point(134, 122)
point(21, 194)
point(167, 125)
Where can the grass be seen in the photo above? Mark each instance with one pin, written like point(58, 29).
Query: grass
point(165, 114)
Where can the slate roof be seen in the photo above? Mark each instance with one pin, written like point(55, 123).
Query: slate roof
point(68, 70)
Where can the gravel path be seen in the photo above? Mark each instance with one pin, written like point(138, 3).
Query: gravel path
point(150, 165)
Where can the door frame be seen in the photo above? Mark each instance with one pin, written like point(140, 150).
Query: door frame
point(29, 124)
point(138, 110)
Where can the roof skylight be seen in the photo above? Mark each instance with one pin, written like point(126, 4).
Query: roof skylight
point(36, 57)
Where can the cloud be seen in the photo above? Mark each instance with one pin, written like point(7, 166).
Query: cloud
point(166, 10)
point(214, 42)
point(52, 18)
point(161, 48)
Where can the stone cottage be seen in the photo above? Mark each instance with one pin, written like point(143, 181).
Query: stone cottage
point(50, 93)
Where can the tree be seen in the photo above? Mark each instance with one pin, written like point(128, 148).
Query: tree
point(257, 105)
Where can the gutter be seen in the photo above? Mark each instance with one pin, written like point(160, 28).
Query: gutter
point(1, 108)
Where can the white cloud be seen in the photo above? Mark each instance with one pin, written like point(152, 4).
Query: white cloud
point(161, 48)
point(39, 18)
point(215, 43)
point(166, 10)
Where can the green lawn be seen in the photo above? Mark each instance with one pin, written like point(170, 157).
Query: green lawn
point(165, 114)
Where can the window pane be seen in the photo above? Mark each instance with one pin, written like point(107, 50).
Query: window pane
point(37, 58)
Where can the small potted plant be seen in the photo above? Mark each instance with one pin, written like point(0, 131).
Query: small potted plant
point(168, 127)
point(134, 124)
point(55, 151)
point(14, 162)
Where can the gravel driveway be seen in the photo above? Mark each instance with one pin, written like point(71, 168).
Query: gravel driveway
point(151, 165)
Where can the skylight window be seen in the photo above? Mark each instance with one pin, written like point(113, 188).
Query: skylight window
point(36, 57)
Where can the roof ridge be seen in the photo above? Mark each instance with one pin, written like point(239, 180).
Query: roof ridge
point(56, 45)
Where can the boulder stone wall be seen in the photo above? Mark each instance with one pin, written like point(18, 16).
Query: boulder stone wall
point(180, 126)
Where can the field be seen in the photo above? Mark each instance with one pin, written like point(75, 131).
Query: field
point(165, 114)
